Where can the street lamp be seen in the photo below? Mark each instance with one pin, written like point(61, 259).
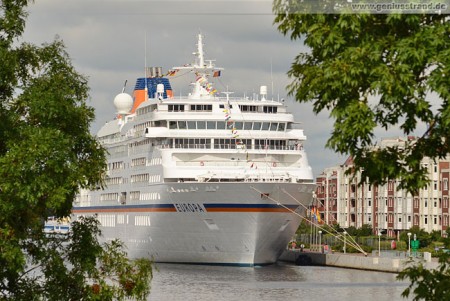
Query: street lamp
point(345, 241)
point(320, 241)
point(379, 243)
point(409, 243)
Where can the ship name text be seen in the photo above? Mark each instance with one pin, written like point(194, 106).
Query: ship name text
point(189, 207)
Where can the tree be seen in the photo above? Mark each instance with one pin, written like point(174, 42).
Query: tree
point(375, 71)
point(46, 155)
point(446, 238)
point(365, 230)
point(421, 235)
point(428, 285)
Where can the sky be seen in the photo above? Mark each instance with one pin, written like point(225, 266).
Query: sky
point(109, 41)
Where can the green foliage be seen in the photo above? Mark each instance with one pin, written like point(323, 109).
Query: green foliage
point(46, 155)
point(446, 239)
point(304, 227)
point(436, 235)
point(352, 231)
point(422, 236)
point(426, 284)
point(374, 71)
point(365, 230)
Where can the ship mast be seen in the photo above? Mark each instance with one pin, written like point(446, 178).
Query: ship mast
point(201, 60)
point(202, 88)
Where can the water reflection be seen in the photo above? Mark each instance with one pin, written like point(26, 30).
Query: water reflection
point(275, 282)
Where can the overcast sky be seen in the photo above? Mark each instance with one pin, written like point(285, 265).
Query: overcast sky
point(106, 41)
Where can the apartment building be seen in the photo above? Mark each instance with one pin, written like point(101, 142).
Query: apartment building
point(341, 199)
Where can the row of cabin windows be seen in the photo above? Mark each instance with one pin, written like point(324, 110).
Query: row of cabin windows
point(208, 108)
point(222, 125)
point(233, 143)
point(201, 108)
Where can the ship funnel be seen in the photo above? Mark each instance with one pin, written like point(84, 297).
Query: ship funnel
point(263, 92)
point(153, 72)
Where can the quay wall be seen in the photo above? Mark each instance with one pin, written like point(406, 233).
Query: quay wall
point(354, 261)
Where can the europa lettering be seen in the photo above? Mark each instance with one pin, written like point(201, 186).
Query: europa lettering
point(189, 207)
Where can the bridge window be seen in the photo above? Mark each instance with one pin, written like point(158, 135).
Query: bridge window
point(269, 109)
point(176, 108)
point(201, 108)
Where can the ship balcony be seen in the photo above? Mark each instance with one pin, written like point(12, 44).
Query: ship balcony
point(257, 148)
point(235, 163)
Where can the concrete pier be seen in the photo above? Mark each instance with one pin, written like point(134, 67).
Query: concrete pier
point(354, 261)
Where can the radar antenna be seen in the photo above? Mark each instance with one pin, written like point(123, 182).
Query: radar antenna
point(124, 86)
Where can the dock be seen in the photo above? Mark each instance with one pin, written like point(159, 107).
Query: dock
point(356, 261)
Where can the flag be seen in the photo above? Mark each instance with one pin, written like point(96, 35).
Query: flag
point(318, 215)
point(313, 213)
point(216, 73)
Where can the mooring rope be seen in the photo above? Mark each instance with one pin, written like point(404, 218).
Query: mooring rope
point(350, 242)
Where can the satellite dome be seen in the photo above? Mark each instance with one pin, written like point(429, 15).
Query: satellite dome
point(123, 103)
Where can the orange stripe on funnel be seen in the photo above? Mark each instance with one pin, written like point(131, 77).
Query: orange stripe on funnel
point(139, 97)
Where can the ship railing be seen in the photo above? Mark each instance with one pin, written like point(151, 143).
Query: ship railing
point(113, 140)
point(234, 146)
point(233, 163)
point(58, 226)
point(272, 179)
point(231, 99)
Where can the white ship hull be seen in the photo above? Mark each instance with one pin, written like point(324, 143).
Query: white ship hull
point(208, 223)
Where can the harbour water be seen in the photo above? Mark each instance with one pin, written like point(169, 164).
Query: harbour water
point(275, 282)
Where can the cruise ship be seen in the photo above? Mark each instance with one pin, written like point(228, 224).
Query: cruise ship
point(204, 179)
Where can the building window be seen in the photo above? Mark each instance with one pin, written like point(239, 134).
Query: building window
point(445, 184)
point(435, 185)
point(409, 218)
point(426, 220)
